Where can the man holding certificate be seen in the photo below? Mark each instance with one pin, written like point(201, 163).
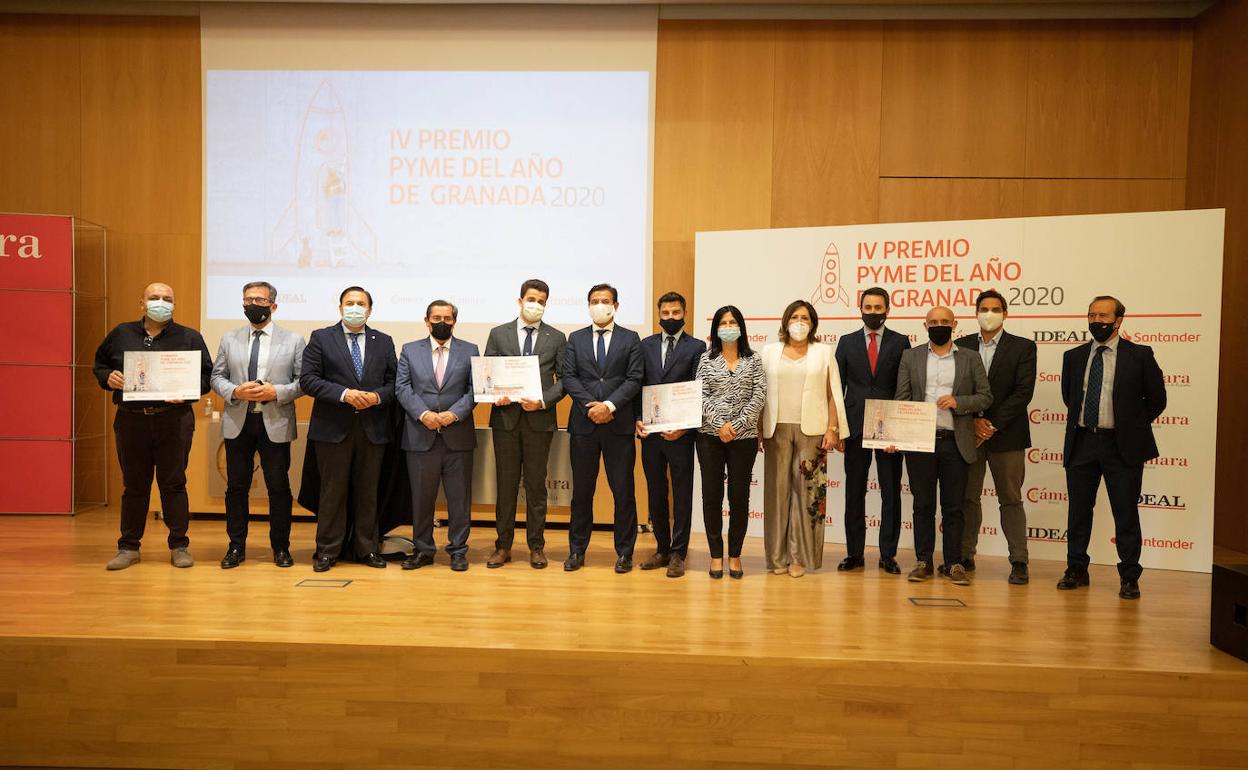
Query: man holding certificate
point(153, 427)
point(953, 379)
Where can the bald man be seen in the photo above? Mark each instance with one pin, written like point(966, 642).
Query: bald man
point(953, 379)
point(153, 438)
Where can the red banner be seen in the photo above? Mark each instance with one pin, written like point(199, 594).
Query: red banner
point(36, 252)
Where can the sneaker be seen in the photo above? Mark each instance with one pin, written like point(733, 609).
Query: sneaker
point(957, 575)
point(123, 559)
point(921, 573)
point(181, 558)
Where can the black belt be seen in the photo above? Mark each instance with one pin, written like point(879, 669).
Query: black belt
point(944, 433)
point(1100, 431)
point(149, 410)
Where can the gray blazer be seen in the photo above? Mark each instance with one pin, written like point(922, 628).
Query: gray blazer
point(548, 346)
point(970, 388)
point(285, 364)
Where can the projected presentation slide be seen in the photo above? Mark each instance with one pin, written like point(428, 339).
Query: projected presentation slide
point(424, 185)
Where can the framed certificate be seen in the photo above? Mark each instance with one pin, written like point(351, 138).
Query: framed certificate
point(161, 375)
point(673, 406)
point(908, 425)
point(513, 377)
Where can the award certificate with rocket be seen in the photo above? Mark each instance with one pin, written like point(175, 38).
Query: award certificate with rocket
point(513, 377)
point(908, 425)
point(161, 375)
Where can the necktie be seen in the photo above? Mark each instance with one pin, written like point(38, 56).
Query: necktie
point(1092, 395)
point(441, 370)
point(528, 341)
point(253, 363)
point(873, 352)
point(671, 345)
point(357, 358)
point(602, 349)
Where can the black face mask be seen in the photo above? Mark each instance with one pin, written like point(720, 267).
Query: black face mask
point(1100, 331)
point(257, 314)
point(874, 321)
point(672, 325)
point(940, 335)
point(441, 331)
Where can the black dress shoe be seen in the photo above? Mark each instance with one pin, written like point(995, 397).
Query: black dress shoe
point(968, 565)
point(233, 557)
point(1129, 589)
point(459, 562)
point(574, 562)
point(623, 564)
point(850, 563)
point(324, 563)
point(736, 574)
point(374, 560)
point(418, 560)
point(282, 558)
point(1018, 574)
point(1072, 580)
point(889, 565)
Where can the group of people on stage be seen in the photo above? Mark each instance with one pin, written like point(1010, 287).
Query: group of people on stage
point(796, 400)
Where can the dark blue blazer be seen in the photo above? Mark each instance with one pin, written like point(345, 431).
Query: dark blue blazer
point(416, 388)
point(328, 371)
point(681, 366)
point(1139, 398)
point(618, 382)
point(856, 379)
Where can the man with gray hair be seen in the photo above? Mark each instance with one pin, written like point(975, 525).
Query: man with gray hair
point(257, 373)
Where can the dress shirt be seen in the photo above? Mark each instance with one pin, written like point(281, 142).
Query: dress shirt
point(940, 374)
point(1108, 360)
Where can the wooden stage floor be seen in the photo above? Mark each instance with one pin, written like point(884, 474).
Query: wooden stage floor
point(159, 667)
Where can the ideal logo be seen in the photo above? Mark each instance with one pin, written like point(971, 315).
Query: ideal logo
point(1060, 335)
point(830, 290)
point(1046, 534)
point(1162, 502)
point(20, 246)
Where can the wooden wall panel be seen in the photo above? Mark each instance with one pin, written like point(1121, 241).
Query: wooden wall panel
point(955, 99)
point(1053, 197)
point(826, 146)
point(934, 199)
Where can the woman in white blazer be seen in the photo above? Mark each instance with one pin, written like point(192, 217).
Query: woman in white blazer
point(801, 421)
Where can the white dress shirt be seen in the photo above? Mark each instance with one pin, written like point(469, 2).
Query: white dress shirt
point(663, 345)
point(521, 325)
point(1109, 360)
point(266, 342)
point(940, 374)
point(363, 332)
point(434, 346)
point(606, 343)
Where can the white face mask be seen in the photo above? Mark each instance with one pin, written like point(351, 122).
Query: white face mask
point(989, 321)
point(532, 312)
point(601, 314)
point(798, 330)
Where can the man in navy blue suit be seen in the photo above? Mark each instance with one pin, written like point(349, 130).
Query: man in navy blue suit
point(349, 369)
point(1113, 390)
point(434, 385)
point(670, 356)
point(868, 360)
point(602, 372)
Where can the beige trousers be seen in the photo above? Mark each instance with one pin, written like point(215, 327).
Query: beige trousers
point(795, 492)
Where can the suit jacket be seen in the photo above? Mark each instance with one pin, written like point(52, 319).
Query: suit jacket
point(416, 388)
point(284, 366)
point(681, 366)
point(856, 378)
point(1012, 378)
point(548, 346)
point(618, 382)
point(1139, 398)
point(970, 388)
point(328, 373)
point(822, 375)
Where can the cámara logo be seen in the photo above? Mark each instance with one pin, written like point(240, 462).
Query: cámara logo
point(20, 246)
point(1046, 416)
point(1044, 495)
point(1036, 455)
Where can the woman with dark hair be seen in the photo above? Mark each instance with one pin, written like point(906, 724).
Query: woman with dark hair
point(734, 389)
point(801, 423)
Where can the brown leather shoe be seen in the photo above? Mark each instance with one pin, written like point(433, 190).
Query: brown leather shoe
point(656, 560)
point(675, 566)
point(537, 559)
point(497, 559)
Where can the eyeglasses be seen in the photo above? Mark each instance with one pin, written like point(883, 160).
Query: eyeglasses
point(261, 301)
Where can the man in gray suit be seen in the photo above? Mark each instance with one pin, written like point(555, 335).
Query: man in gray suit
point(953, 379)
point(522, 431)
point(434, 385)
point(257, 373)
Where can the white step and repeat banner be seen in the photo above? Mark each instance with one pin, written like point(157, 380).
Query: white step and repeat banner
point(1166, 267)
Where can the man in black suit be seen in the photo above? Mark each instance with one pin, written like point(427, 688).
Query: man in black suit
point(349, 369)
point(1002, 431)
point(522, 430)
point(1113, 390)
point(602, 372)
point(670, 356)
point(868, 362)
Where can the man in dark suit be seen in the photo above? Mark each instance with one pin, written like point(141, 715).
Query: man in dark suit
point(602, 372)
point(670, 356)
point(522, 430)
point(349, 369)
point(434, 385)
point(1113, 390)
point(1002, 431)
point(868, 361)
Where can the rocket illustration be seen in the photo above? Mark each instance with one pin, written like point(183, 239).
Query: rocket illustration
point(321, 227)
point(830, 290)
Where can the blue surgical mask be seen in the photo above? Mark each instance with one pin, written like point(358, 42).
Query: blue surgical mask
point(729, 333)
point(159, 310)
point(354, 315)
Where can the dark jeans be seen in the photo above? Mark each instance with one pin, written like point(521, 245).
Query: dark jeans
point(888, 470)
point(658, 456)
point(1096, 456)
point(154, 445)
point(619, 456)
point(349, 469)
point(453, 470)
point(521, 453)
point(240, 459)
point(737, 458)
point(946, 468)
